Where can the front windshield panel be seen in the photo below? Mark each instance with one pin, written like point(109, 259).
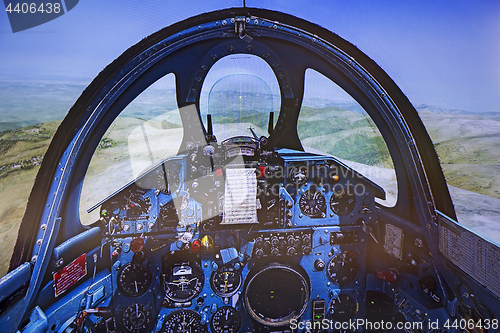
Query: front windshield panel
point(331, 122)
point(146, 132)
point(239, 93)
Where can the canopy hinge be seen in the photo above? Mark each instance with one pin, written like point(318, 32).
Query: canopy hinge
point(239, 28)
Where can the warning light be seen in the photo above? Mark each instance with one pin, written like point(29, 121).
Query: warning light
point(137, 244)
point(207, 242)
point(195, 246)
point(218, 172)
point(335, 177)
point(386, 275)
point(262, 171)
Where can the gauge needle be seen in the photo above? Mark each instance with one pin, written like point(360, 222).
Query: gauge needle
point(136, 288)
point(227, 314)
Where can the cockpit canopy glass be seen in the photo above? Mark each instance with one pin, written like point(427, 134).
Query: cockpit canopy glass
point(240, 92)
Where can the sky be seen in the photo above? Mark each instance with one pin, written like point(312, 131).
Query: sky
point(442, 53)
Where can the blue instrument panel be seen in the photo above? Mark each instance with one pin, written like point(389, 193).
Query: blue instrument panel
point(182, 257)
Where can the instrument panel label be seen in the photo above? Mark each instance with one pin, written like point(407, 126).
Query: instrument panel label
point(473, 254)
point(69, 275)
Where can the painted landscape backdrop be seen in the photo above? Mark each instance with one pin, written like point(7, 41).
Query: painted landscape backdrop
point(467, 145)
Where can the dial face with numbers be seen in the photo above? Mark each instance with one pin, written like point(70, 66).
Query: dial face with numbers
point(343, 201)
point(343, 268)
point(182, 321)
point(343, 308)
point(134, 280)
point(312, 203)
point(226, 320)
point(225, 281)
point(136, 318)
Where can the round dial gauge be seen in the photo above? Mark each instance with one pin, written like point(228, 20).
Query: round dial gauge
point(343, 268)
point(343, 201)
point(182, 281)
point(135, 202)
point(134, 280)
point(298, 175)
point(182, 321)
point(312, 203)
point(225, 281)
point(268, 299)
point(136, 318)
point(343, 308)
point(226, 320)
point(173, 179)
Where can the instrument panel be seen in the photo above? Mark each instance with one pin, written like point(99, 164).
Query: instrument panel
point(236, 238)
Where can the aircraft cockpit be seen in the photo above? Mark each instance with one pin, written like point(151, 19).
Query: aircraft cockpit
point(245, 171)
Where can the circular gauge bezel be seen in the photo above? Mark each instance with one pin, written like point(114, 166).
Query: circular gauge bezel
point(194, 319)
point(343, 268)
point(343, 200)
point(141, 275)
point(128, 318)
point(234, 287)
point(235, 322)
point(285, 319)
point(343, 308)
point(196, 271)
point(298, 175)
point(312, 210)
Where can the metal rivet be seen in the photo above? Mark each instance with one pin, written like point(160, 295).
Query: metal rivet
point(232, 20)
point(249, 48)
point(224, 22)
point(213, 57)
point(38, 242)
point(256, 22)
point(230, 49)
point(60, 262)
point(275, 26)
point(266, 55)
point(34, 258)
point(43, 226)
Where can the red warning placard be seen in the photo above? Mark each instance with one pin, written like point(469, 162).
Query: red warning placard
point(70, 274)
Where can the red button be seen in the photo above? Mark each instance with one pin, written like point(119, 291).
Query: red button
point(196, 246)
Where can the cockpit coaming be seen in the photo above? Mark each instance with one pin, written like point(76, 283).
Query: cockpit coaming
point(246, 232)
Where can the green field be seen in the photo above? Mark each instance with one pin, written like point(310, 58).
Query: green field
point(466, 144)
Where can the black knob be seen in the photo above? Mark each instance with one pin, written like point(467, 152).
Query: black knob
point(267, 246)
point(306, 249)
point(291, 251)
point(319, 264)
point(258, 242)
point(259, 253)
point(275, 251)
point(274, 241)
point(306, 239)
